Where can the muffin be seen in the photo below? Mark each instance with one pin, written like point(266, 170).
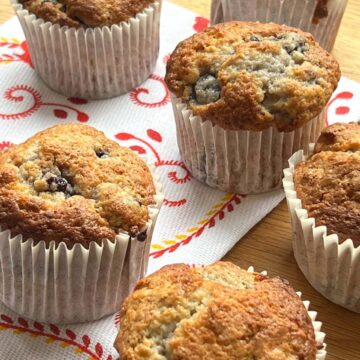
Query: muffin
point(76, 217)
point(76, 13)
point(323, 194)
point(245, 97)
point(339, 137)
point(217, 312)
point(321, 18)
point(91, 49)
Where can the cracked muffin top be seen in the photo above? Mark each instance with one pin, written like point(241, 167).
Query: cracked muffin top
point(89, 13)
point(252, 76)
point(328, 183)
point(71, 184)
point(216, 312)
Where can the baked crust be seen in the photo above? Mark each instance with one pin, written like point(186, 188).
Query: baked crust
point(91, 13)
point(219, 312)
point(255, 76)
point(339, 137)
point(328, 183)
point(71, 184)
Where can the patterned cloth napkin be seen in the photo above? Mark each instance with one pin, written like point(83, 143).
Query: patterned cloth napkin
point(197, 224)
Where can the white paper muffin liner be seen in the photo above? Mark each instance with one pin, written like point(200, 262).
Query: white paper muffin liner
point(93, 63)
point(58, 285)
point(319, 335)
point(333, 269)
point(296, 13)
point(245, 162)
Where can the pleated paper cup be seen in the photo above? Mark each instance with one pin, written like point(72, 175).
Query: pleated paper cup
point(244, 162)
point(93, 63)
point(57, 285)
point(333, 269)
point(296, 13)
point(319, 335)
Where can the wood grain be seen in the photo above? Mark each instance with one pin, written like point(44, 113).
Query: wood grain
point(268, 245)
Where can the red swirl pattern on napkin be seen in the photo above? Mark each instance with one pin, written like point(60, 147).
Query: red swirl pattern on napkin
point(18, 93)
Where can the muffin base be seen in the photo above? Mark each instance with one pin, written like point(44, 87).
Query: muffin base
point(245, 162)
point(57, 285)
point(296, 13)
point(331, 268)
point(93, 63)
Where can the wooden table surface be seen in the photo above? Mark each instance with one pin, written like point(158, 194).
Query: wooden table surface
point(268, 244)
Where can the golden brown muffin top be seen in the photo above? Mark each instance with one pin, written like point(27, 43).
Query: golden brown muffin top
point(339, 137)
point(328, 183)
point(91, 13)
point(218, 312)
point(252, 76)
point(71, 184)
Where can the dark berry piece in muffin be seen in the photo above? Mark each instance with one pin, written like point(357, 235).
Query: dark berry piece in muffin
point(207, 89)
point(101, 153)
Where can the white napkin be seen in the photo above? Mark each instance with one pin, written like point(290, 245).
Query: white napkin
point(197, 224)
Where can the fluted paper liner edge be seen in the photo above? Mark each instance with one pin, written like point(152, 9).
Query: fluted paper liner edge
point(93, 63)
point(58, 285)
point(333, 269)
point(244, 162)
